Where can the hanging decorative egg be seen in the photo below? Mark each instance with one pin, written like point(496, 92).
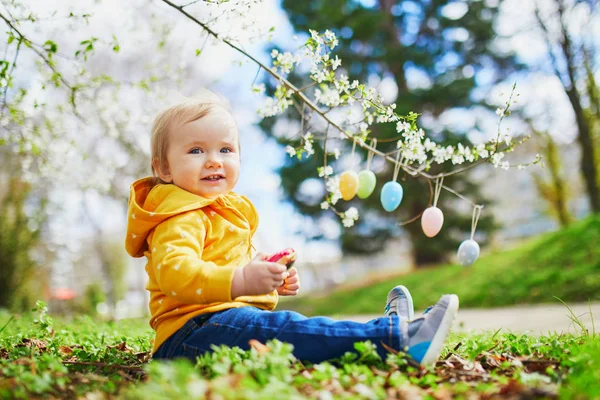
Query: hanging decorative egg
point(366, 183)
point(348, 185)
point(432, 221)
point(468, 251)
point(391, 195)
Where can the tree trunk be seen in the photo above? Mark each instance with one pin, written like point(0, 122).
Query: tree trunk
point(588, 162)
point(555, 192)
point(393, 43)
point(559, 185)
point(592, 87)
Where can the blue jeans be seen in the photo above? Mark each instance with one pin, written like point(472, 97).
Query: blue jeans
point(315, 339)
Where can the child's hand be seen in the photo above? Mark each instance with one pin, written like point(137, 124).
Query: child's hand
point(291, 284)
point(258, 277)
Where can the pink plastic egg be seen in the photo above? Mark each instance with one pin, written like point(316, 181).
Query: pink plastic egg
point(348, 185)
point(432, 221)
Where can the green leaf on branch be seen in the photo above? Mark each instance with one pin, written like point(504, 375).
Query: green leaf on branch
point(88, 48)
point(115, 44)
point(3, 68)
point(50, 46)
point(56, 78)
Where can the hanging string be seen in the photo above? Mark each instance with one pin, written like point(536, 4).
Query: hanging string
point(475, 219)
point(438, 189)
point(352, 156)
point(398, 163)
point(371, 154)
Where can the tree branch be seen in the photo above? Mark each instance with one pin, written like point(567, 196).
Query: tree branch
point(47, 61)
point(410, 170)
point(546, 36)
point(12, 69)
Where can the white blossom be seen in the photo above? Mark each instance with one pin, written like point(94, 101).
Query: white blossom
point(325, 171)
point(335, 198)
point(402, 126)
point(329, 97)
point(429, 144)
point(352, 212)
point(496, 158)
point(458, 159)
point(336, 63)
point(308, 148)
point(342, 84)
point(348, 222)
point(315, 35)
point(333, 184)
point(290, 150)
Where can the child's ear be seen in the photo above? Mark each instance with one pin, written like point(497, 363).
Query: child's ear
point(162, 170)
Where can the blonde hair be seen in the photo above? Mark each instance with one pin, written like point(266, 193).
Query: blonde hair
point(189, 110)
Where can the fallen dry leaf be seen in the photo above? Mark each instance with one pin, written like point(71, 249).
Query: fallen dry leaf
point(258, 346)
point(121, 347)
point(41, 345)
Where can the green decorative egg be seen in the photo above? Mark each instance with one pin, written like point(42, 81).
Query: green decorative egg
point(366, 183)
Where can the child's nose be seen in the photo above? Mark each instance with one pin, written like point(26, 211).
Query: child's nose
point(214, 161)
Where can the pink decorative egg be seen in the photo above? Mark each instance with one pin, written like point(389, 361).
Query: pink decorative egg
point(432, 221)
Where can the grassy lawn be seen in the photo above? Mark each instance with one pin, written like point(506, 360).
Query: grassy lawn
point(41, 358)
point(565, 264)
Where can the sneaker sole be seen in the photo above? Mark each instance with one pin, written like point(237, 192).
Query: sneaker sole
point(435, 348)
point(411, 308)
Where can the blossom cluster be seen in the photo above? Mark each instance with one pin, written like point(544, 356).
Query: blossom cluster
point(334, 89)
point(337, 91)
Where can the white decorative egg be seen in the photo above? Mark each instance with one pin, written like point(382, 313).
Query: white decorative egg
point(468, 251)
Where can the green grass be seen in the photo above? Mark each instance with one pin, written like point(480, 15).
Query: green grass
point(81, 357)
point(563, 264)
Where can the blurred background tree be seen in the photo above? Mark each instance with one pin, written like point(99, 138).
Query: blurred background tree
point(572, 59)
point(21, 219)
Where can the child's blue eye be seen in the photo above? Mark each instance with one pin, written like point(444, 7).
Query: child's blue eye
point(226, 150)
point(195, 150)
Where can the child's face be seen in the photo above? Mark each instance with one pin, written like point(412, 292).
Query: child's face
point(203, 155)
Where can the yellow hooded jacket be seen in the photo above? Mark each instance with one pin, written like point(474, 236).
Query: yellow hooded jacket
point(193, 246)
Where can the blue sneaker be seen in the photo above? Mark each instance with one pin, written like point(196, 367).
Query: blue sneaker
point(426, 335)
point(399, 302)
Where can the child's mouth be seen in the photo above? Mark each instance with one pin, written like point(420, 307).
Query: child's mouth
point(213, 178)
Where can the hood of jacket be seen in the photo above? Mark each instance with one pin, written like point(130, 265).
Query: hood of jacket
point(151, 203)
